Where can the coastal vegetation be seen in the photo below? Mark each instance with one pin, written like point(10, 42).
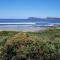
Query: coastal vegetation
point(42, 45)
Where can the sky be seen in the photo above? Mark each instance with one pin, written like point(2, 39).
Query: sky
point(29, 8)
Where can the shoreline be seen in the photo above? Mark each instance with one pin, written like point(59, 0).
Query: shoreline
point(23, 29)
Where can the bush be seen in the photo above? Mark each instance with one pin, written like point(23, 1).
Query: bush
point(41, 46)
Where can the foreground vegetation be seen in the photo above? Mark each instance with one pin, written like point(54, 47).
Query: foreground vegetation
point(43, 45)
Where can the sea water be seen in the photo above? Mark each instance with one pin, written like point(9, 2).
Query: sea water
point(26, 24)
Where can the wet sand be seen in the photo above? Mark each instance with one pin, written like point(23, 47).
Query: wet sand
point(21, 28)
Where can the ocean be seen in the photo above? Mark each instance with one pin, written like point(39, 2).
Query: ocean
point(27, 24)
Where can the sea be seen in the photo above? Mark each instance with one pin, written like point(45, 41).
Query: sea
point(27, 24)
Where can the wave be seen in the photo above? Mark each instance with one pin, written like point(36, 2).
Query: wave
point(32, 24)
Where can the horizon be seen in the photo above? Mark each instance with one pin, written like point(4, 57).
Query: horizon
point(22, 9)
point(34, 17)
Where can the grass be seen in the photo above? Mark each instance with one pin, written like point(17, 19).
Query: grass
point(30, 45)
